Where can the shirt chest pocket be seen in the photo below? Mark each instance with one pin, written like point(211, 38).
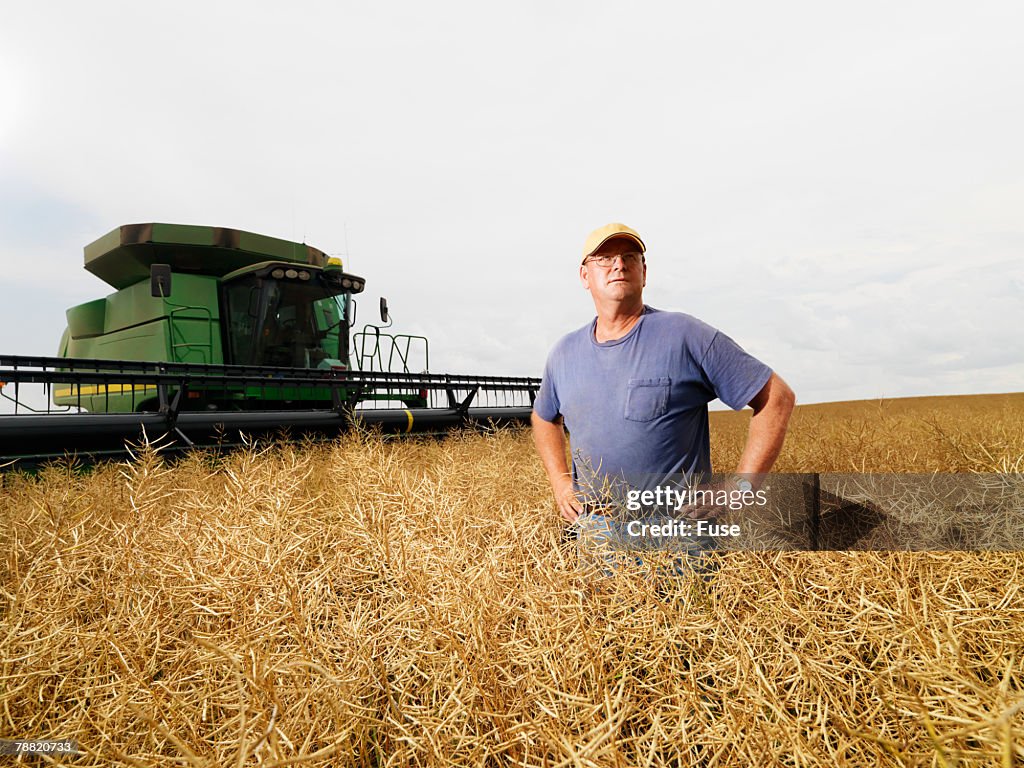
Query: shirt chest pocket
point(647, 399)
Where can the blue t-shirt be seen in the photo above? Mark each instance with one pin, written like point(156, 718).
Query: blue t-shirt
point(636, 407)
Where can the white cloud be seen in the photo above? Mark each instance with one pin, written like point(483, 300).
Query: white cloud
point(838, 188)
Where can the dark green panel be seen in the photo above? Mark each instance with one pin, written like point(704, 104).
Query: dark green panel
point(123, 256)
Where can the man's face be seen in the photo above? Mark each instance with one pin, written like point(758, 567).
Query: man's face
point(623, 279)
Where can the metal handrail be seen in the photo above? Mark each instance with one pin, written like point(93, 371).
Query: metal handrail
point(171, 328)
point(376, 355)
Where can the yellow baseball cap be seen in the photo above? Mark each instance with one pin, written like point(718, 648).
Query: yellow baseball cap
point(601, 235)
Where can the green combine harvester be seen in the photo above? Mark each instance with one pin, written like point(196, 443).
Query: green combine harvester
point(213, 333)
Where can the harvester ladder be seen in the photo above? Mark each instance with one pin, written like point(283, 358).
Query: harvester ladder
point(174, 330)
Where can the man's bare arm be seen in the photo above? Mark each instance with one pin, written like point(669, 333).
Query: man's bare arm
point(772, 408)
point(549, 438)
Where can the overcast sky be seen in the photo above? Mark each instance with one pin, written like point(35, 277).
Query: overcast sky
point(839, 187)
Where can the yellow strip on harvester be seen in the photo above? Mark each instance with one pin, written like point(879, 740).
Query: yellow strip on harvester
point(409, 427)
point(104, 389)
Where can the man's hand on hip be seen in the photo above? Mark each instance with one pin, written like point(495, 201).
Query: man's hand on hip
point(709, 505)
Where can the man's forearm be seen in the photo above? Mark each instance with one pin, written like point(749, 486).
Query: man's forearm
point(768, 426)
point(549, 439)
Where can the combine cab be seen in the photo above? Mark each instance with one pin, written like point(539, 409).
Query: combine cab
point(212, 331)
point(209, 296)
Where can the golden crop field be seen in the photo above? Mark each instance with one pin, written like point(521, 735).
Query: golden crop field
point(376, 602)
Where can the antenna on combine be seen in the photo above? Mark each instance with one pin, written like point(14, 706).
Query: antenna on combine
point(344, 225)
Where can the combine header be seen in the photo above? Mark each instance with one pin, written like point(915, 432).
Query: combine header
point(213, 332)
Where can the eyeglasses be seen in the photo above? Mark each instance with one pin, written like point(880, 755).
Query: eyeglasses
point(605, 260)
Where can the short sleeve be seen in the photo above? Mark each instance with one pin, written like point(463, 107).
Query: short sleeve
point(735, 375)
point(546, 405)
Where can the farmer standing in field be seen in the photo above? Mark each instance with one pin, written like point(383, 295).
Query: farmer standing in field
point(632, 388)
